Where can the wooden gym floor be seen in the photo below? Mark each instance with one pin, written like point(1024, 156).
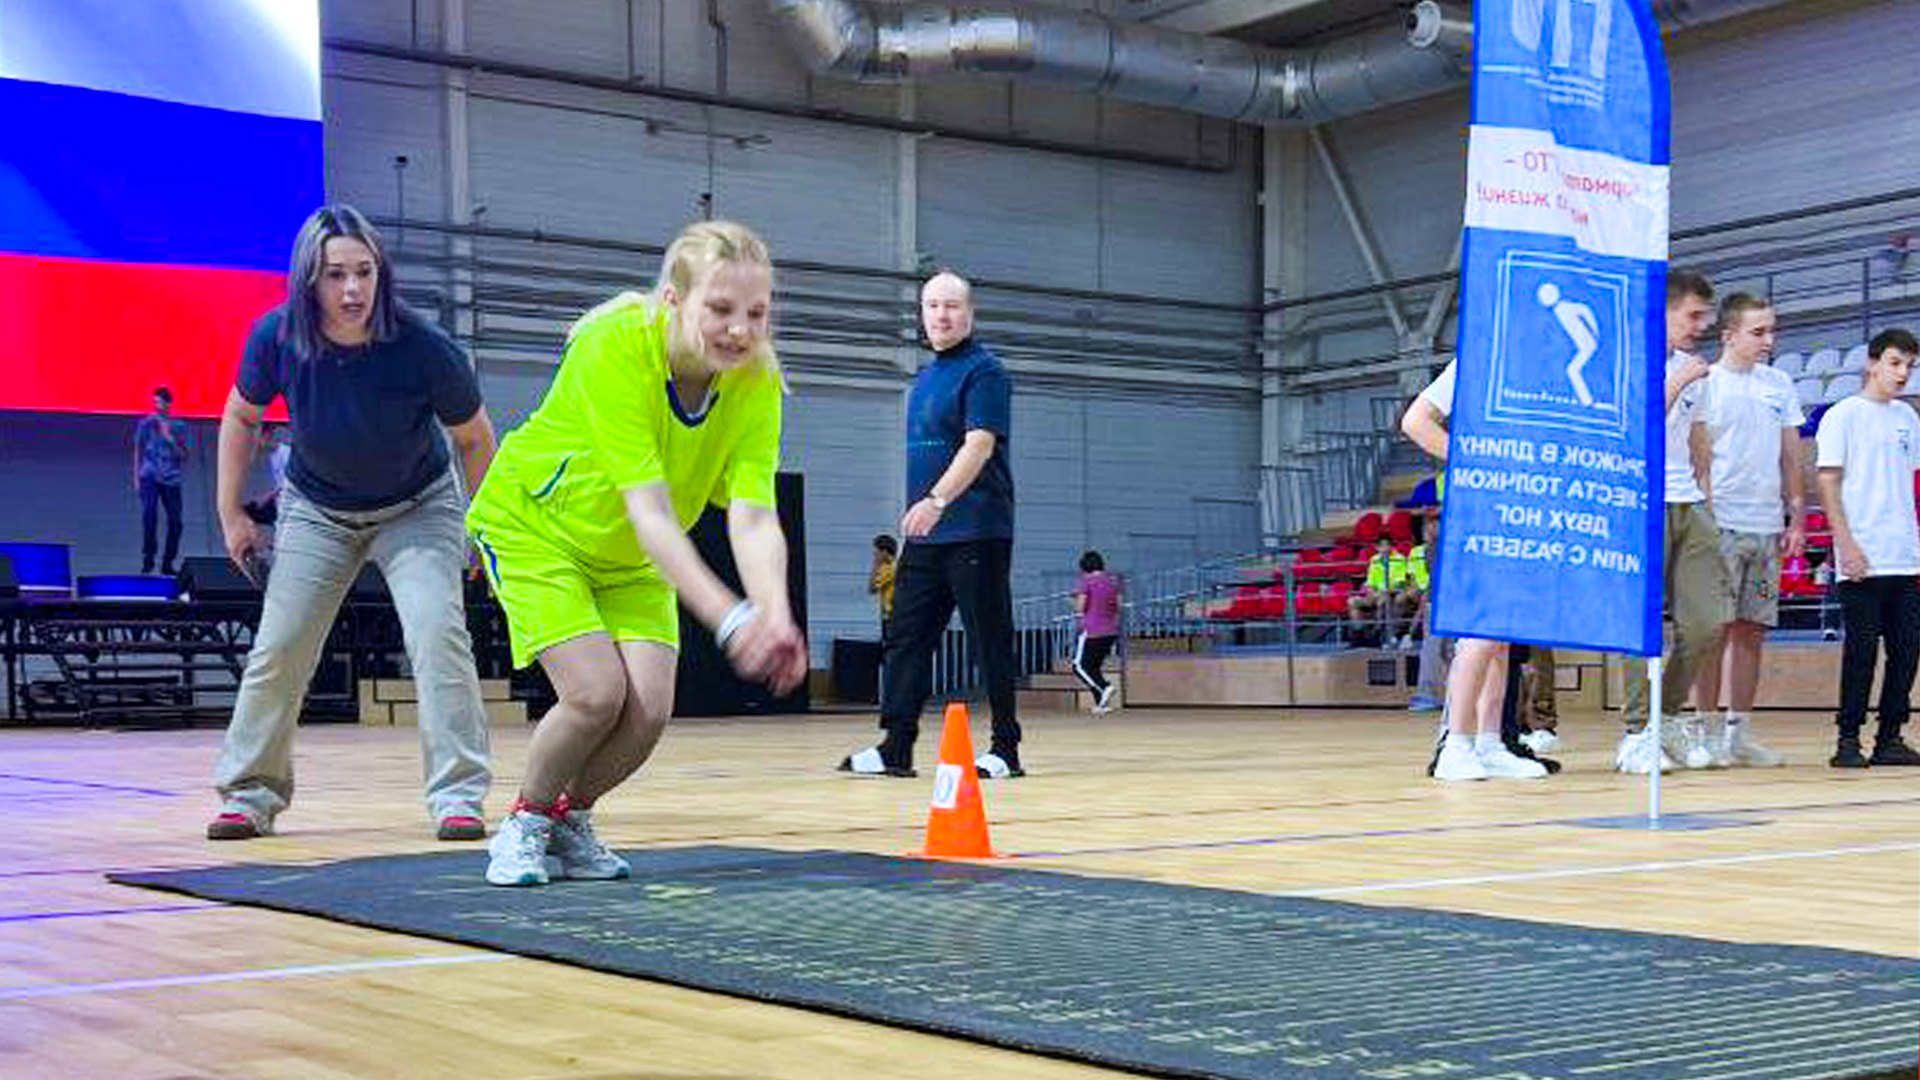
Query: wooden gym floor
point(103, 982)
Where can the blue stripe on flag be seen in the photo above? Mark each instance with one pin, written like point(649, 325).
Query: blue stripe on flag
point(89, 174)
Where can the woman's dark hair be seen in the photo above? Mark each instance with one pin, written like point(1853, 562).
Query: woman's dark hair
point(1092, 563)
point(885, 543)
point(301, 329)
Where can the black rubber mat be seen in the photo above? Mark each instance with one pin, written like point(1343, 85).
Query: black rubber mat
point(1157, 978)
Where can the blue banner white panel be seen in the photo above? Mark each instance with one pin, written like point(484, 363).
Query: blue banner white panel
point(1553, 518)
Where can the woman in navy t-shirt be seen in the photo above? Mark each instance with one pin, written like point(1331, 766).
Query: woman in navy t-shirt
point(369, 385)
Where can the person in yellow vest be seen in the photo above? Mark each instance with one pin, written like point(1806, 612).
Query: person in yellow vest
point(1387, 600)
point(663, 404)
point(1418, 578)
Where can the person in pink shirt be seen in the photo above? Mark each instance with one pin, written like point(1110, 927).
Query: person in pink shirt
point(1098, 602)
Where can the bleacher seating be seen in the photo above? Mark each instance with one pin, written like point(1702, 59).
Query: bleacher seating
point(1843, 386)
point(1790, 364)
point(1824, 362)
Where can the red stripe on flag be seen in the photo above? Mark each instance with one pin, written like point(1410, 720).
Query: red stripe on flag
point(78, 335)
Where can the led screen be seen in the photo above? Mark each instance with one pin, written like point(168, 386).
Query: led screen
point(156, 159)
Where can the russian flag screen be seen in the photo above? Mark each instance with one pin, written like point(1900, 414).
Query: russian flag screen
point(156, 160)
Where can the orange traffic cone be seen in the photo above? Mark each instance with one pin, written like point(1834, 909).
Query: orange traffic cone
point(957, 824)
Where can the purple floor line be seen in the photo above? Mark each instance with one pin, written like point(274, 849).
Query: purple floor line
point(101, 913)
point(90, 785)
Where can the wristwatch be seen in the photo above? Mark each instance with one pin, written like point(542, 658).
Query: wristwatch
point(938, 502)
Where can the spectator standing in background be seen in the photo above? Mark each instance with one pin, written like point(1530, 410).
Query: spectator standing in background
point(159, 457)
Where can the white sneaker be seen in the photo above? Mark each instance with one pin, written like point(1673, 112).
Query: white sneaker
point(1501, 763)
point(1719, 756)
point(1638, 753)
point(1104, 703)
point(1693, 742)
point(518, 851)
point(1744, 749)
point(1459, 762)
point(1540, 740)
point(575, 852)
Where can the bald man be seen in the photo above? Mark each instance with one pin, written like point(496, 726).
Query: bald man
point(957, 536)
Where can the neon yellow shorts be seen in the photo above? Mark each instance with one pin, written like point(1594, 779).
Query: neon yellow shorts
point(548, 595)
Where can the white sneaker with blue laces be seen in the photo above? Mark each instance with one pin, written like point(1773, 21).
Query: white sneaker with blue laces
point(517, 854)
point(577, 853)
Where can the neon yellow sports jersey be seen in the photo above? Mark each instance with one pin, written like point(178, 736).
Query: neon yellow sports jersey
point(611, 421)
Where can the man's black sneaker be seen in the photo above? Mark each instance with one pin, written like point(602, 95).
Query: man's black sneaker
point(868, 762)
point(1893, 751)
point(1848, 755)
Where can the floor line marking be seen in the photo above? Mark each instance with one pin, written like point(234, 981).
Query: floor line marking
point(88, 784)
point(20, 993)
point(1421, 830)
point(97, 913)
point(1598, 871)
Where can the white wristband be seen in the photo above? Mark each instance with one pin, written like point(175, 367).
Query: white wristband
point(736, 617)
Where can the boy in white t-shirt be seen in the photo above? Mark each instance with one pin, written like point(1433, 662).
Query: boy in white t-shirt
point(1869, 449)
point(1752, 418)
point(1694, 590)
point(1477, 680)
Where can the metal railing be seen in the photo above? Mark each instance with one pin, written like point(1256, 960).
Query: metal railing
point(1291, 502)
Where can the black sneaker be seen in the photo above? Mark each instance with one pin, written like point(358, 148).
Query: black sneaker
point(1848, 755)
point(869, 762)
point(1520, 749)
point(998, 765)
point(1892, 751)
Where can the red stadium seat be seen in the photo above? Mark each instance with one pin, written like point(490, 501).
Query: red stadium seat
point(1368, 528)
point(1308, 565)
point(1400, 527)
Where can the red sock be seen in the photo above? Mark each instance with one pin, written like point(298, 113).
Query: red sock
point(546, 810)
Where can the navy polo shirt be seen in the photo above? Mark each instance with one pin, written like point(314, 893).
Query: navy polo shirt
point(363, 417)
point(964, 389)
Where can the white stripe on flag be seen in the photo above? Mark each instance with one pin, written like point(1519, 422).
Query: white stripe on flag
point(249, 56)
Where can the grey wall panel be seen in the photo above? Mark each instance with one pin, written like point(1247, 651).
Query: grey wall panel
point(848, 444)
point(1407, 169)
point(969, 104)
point(1809, 103)
point(1049, 470)
point(587, 36)
point(389, 22)
point(368, 124)
point(817, 193)
point(1043, 112)
point(594, 174)
point(1186, 235)
point(513, 390)
point(1145, 465)
point(994, 212)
